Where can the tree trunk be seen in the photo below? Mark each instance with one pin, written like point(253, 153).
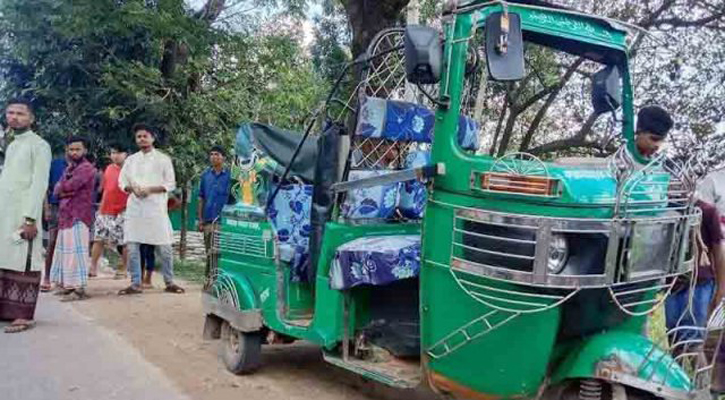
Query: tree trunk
point(176, 54)
point(184, 221)
point(367, 18)
point(508, 131)
point(540, 114)
point(499, 124)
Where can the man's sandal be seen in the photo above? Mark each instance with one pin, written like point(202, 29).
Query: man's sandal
point(74, 296)
point(18, 326)
point(174, 288)
point(129, 291)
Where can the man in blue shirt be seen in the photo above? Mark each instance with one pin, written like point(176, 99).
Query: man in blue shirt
point(57, 167)
point(214, 192)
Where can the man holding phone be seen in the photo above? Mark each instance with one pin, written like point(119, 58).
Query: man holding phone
point(23, 185)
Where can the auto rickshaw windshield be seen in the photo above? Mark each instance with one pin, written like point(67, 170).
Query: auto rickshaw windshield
point(554, 100)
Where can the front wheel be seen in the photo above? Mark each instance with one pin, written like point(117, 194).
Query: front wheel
point(241, 352)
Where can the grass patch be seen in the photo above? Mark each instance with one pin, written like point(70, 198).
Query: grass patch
point(190, 271)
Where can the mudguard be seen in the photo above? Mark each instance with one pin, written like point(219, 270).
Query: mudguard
point(231, 298)
point(248, 299)
point(627, 358)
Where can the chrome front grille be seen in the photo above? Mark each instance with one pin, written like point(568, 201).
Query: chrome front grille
point(516, 247)
point(490, 243)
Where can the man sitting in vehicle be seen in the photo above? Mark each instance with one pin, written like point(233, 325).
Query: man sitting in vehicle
point(653, 124)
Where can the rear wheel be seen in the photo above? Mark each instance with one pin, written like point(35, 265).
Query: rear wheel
point(241, 352)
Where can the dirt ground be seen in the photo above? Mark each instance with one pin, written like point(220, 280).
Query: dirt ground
point(166, 328)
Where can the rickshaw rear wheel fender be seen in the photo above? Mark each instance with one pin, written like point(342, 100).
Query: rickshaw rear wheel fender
point(248, 299)
point(624, 352)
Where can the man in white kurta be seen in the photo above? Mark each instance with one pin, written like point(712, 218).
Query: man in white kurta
point(23, 183)
point(148, 176)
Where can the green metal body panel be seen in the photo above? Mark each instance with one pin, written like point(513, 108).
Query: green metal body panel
point(508, 362)
point(256, 279)
point(629, 349)
point(251, 274)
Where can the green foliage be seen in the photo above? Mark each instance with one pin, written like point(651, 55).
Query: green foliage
point(96, 67)
point(331, 49)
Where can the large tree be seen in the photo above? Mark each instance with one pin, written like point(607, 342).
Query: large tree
point(367, 18)
point(95, 67)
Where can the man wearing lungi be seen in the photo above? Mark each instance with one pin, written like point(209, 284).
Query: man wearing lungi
point(71, 259)
point(148, 176)
point(23, 183)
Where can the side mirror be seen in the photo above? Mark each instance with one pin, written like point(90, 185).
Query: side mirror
point(607, 90)
point(423, 54)
point(504, 47)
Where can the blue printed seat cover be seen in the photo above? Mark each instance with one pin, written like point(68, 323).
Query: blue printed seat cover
point(377, 202)
point(413, 194)
point(289, 215)
point(377, 261)
point(410, 122)
point(403, 122)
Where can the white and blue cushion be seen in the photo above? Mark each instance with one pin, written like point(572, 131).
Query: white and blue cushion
point(402, 121)
point(377, 202)
point(394, 120)
point(413, 193)
point(377, 261)
point(289, 215)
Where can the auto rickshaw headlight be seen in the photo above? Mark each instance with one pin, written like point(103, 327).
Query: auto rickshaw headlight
point(558, 254)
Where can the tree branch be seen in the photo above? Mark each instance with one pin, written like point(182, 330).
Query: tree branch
point(683, 23)
point(646, 22)
point(538, 96)
point(499, 124)
point(211, 10)
point(541, 113)
point(578, 140)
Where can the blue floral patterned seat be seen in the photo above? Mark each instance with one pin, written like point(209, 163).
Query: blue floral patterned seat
point(413, 194)
point(375, 261)
point(289, 215)
point(410, 122)
point(377, 202)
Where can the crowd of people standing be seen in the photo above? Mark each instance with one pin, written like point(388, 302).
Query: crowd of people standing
point(61, 194)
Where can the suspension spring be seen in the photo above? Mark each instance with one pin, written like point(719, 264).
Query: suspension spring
point(590, 389)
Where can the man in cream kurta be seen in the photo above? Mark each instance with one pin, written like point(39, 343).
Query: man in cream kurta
point(148, 176)
point(23, 183)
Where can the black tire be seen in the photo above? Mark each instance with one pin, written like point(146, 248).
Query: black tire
point(241, 352)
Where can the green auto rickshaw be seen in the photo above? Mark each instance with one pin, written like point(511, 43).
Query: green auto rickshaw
point(400, 242)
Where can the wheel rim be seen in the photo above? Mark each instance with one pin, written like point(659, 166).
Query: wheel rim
point(233, 340)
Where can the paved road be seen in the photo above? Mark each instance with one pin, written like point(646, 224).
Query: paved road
point(67, 356)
